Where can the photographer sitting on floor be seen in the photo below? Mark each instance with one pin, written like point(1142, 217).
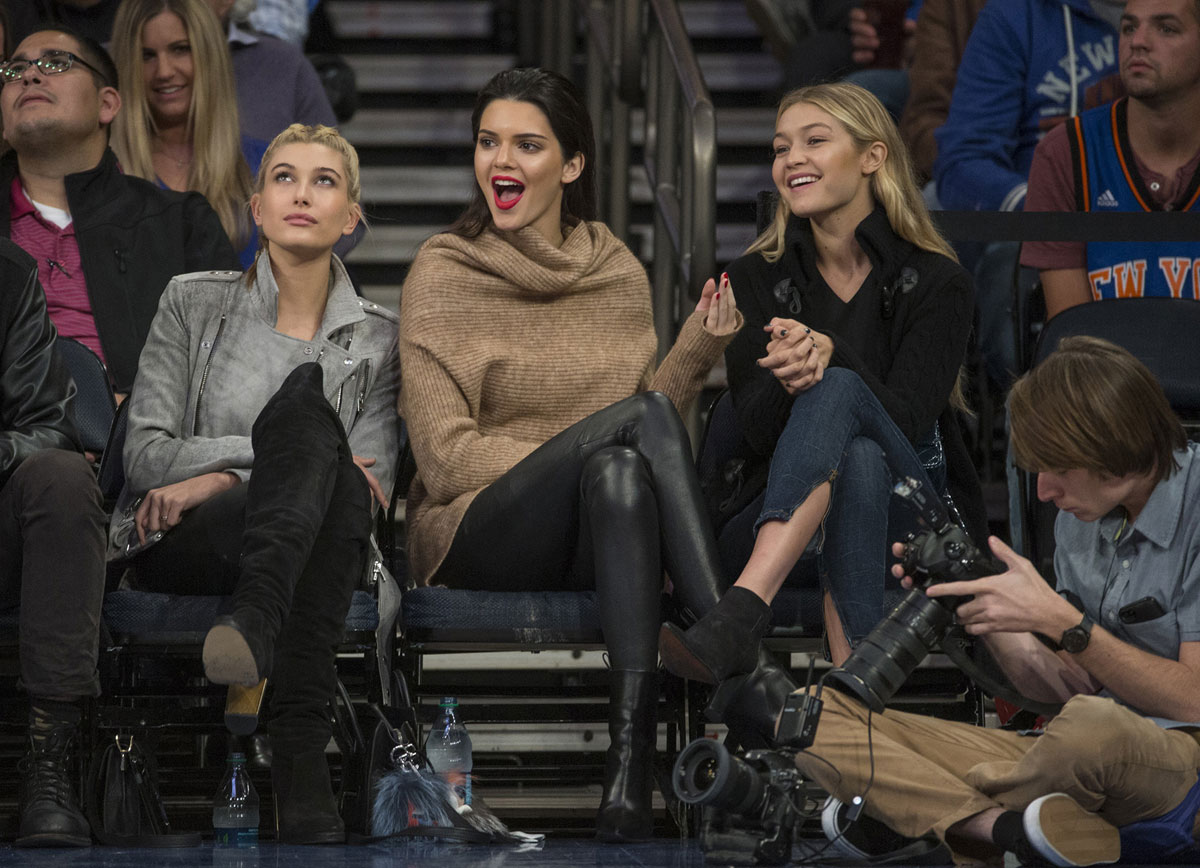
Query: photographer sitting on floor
point(1114, 775)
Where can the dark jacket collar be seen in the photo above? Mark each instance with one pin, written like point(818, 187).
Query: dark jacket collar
point(87, 191)
point(886, 250)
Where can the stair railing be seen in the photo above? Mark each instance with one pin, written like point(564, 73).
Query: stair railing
point(639, 54)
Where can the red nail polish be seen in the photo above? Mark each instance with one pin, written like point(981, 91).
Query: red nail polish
point(715, 297)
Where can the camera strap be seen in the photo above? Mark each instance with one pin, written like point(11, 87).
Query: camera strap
point(956, 645)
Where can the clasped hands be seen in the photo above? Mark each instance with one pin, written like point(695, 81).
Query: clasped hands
point(796, 355)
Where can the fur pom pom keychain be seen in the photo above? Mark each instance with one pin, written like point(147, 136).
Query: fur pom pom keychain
point(409, 796)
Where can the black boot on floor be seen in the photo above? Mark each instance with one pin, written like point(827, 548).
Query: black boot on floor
point(750, 704)
point(625, 808)
point(306, 811)
point(49, 810)
point(721, 644)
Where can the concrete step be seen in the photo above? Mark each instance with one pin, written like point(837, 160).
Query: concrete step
point(449, 73)
point(458, 19)
point(445, 19)
point(426, 73)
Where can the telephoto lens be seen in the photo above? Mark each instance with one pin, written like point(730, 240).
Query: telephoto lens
point(707, 774)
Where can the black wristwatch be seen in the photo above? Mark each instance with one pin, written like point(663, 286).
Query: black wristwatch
point(1076, 639)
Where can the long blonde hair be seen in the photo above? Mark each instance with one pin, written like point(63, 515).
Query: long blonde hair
point(218, 169)
point(893, 185)
point(317, 134)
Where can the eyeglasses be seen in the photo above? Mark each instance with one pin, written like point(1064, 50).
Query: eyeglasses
point(51, 63)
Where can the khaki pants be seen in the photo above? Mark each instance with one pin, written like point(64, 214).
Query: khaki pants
point(930, 773)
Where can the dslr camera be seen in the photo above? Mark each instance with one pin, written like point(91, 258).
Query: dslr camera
point(755, 801)
point(940, 552)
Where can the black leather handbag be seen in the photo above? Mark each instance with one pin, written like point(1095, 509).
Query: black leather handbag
point(123, 802)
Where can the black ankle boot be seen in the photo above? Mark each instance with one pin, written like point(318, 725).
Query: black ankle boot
point(625, 810)
point(49, 810)
point(750, 704)
point(721, 644)
point(306, 811)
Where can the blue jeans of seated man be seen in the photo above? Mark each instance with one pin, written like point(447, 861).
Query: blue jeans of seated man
point(839, 432)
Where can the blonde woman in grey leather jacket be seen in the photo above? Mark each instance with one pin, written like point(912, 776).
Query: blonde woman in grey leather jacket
point(263, 430)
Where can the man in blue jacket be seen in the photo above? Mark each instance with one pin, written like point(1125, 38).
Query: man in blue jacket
point(1027, 66)
point(1025, 69)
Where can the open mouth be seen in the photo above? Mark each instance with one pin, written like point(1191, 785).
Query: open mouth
point(507, 192)
point(801, 180)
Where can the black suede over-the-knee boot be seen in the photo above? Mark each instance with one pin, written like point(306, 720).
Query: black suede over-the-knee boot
point(296, 439)
point(305, 675)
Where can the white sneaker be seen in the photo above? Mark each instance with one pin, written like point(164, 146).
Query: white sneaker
point(1064, 834)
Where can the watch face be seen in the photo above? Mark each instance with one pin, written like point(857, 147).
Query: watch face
point(1075, 640)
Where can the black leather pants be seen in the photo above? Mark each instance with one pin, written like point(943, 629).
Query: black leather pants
point(608, 504)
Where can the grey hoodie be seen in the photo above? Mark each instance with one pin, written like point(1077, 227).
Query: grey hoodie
point(213, 359)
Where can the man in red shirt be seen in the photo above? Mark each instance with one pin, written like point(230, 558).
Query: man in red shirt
point(105, 244)
point(1141, 153)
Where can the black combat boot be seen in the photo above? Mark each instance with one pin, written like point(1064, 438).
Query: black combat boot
point(49, 810)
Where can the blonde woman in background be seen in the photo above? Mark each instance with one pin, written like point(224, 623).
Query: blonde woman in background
point(179, 121)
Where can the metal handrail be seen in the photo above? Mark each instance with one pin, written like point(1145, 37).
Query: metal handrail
point(639, 54)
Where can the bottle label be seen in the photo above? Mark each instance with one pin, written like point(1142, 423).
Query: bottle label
point(235, 837)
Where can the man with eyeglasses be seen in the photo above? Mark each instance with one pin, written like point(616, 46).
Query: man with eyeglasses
point(105, 244)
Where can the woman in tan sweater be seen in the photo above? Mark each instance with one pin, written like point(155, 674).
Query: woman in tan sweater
point(550, 450)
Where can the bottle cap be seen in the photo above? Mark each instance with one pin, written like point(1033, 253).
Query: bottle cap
point(449, 702)
point(237, 757)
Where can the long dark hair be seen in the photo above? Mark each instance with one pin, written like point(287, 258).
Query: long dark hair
point(564, 107)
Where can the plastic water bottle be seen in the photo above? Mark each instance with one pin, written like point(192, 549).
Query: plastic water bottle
point(235, 807)
point(448, 749)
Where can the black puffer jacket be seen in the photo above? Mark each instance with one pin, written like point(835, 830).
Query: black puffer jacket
point(133, 238)
point(35, 387)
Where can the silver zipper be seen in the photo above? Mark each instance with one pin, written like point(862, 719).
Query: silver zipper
point(338, 409)
point(362, 384)
point(204, 376)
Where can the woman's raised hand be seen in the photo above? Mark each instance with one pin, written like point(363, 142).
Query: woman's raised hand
point(721, 307)
point(796, 354)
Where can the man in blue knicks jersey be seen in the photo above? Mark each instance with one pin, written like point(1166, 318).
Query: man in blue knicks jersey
point(1141, 153)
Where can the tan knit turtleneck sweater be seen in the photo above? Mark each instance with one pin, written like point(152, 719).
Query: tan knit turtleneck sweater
point(505, 341)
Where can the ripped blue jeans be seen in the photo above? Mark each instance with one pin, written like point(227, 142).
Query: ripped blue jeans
point(840, 433)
